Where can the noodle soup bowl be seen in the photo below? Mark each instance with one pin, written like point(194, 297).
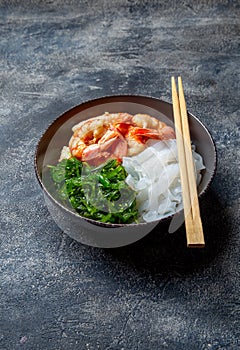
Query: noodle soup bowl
point(57, 135)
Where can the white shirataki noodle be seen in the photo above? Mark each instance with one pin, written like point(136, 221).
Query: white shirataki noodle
point(154, 175)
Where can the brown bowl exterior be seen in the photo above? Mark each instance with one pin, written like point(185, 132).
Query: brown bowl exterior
point(58, 134)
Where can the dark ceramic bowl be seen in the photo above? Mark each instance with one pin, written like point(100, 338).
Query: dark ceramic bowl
point(57, 135)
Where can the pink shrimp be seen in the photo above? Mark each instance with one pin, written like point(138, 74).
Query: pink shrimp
point(115, 136)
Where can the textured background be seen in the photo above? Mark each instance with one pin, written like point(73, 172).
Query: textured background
point(155, 294)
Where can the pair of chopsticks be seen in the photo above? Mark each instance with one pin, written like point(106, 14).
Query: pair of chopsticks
point(193, 223)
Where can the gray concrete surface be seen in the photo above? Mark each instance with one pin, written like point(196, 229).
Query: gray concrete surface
point(156, 294)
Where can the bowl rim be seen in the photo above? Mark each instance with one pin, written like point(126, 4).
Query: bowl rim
point(93, 102)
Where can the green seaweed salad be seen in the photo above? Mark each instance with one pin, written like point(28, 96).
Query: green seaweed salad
point(99, 193)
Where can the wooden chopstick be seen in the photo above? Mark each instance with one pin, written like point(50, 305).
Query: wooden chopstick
point(193, 223)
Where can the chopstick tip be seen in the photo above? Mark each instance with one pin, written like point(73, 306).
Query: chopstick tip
point(179, 79)
point(196, 245)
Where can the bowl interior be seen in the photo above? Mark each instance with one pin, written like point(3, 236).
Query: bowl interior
point(59, 132)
